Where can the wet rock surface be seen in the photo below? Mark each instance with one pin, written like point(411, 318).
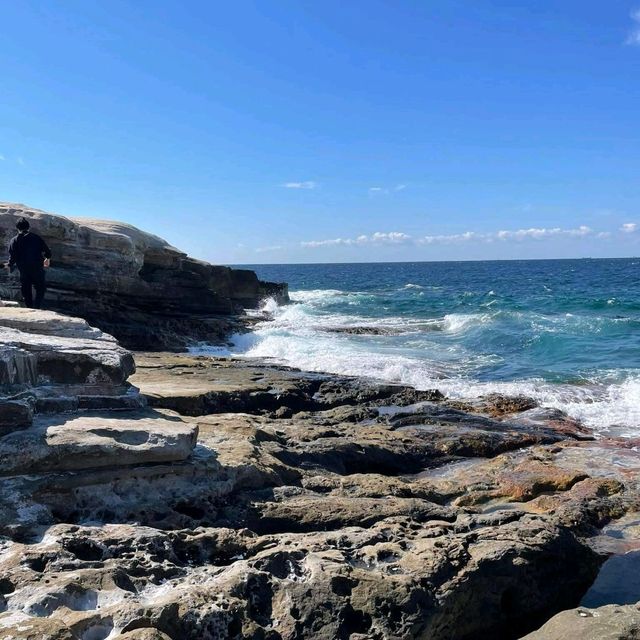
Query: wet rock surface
point(135, 285)
point(247, 500)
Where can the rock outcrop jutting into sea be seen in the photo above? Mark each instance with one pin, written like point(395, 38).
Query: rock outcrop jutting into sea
point(132, 284)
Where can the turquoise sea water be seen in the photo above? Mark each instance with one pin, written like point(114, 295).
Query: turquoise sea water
point(564, 331)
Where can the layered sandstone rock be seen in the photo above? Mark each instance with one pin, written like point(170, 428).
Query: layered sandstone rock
point(66, 406)
point(51, 363)
point(132, 284)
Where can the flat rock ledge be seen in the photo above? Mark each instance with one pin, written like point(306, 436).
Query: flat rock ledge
point(199, 498)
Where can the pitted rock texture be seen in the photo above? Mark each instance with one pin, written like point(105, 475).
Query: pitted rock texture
point(132, 284)
point(254, 501)
point(235, 544)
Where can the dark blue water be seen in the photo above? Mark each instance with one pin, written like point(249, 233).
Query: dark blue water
point(564, 331)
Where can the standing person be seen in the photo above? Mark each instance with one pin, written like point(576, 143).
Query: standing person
point(30, 253)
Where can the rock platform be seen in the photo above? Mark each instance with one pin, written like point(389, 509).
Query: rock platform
point(157, 496)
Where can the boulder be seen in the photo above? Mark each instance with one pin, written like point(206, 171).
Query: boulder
point(51, 363)
point(613, 622)
point(133, 284)
point(63, 363)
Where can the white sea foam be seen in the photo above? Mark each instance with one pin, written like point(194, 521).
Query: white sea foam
point(300, 335)
point(325, 354)
point(459, 322)
point(612, 409)
point(304, 318)
point(317, 294)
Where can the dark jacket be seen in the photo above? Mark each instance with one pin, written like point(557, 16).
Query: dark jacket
point(27, 251)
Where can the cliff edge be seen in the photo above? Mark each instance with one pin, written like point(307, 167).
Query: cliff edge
point(134, 285)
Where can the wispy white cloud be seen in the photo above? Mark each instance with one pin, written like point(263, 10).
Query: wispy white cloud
point(276, 247)
point(386, 190)
point(377, 238)
point(20, 161)
point(517, 235)
point(392, 237)
point(2, 158)
point(536, 233)
point(306, 184)
point(533, 233)
point(634, 35)
point(629, 227)
point(334, 242)
point(454, 238)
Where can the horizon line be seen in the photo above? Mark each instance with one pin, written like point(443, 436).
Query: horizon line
point(298, 264)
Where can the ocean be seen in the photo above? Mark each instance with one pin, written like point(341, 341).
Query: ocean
point(565, 332)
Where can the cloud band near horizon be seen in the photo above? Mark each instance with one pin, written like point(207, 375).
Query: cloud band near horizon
point(518, 235)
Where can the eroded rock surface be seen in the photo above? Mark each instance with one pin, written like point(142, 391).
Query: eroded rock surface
point(254, 501)
point(613, 622)
point(132, 284)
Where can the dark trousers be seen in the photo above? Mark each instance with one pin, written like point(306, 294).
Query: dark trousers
point(32, 279)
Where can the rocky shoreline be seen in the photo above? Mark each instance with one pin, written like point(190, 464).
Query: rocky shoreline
point(212, 498)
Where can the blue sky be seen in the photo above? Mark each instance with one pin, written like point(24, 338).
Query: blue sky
point(305, 131)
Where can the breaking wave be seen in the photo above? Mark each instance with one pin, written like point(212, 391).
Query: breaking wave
point(566, 333)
